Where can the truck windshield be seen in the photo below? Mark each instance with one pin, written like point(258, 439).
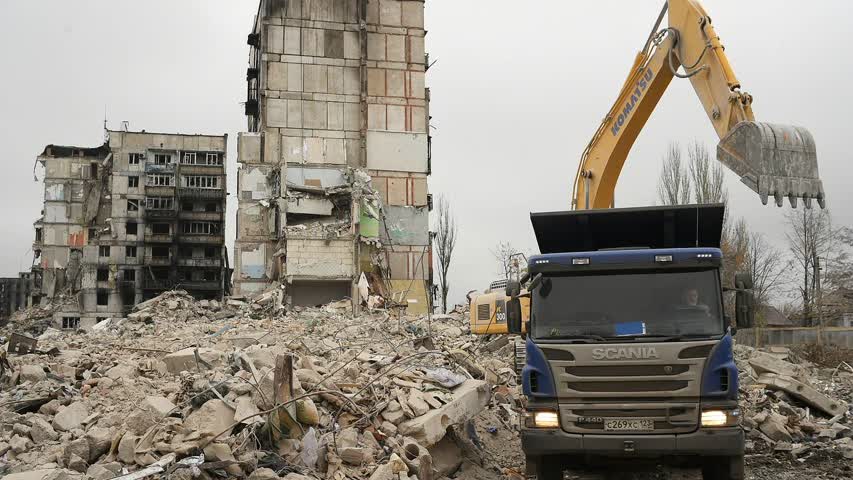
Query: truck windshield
point(610, 306)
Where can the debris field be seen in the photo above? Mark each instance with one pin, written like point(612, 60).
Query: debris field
point(245, 388)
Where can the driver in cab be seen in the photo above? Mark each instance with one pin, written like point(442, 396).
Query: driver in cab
point(690, 301)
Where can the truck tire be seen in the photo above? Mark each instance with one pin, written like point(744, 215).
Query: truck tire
point(723, 468)
point(546, 468)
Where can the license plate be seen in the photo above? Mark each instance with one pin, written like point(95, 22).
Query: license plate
point(629, 425)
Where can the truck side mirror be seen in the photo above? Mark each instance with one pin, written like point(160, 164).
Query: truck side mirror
point(513, 315)
point(744, 309)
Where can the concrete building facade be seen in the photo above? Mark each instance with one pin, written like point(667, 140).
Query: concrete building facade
point(123, 222)
point(14, 295)
point(332, 184)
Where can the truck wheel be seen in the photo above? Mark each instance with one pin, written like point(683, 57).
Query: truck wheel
point(545, 468)
point(723, 468)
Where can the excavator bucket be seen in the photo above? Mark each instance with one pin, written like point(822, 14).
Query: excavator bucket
point(774, 160)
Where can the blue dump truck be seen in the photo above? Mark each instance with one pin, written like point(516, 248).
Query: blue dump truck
point(628, 343)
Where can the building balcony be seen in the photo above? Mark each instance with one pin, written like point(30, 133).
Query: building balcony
point(159, 191)
point(200, 262)
point(201, 216)
point(168, 168)
point(157, 284)
point(159, 238)
point(152, 213)
point(202, 169)
point(205, 193)
point(188, 238)
point(158, 261)
point(200, 285)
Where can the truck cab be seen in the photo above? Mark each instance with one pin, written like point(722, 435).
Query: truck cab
point(628, 347)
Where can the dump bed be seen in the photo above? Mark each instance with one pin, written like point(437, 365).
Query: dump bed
point(680, 226)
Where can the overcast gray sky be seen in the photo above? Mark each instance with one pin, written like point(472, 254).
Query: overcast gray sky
point(517, 90)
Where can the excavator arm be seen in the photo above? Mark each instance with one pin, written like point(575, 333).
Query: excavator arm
point(773, 160)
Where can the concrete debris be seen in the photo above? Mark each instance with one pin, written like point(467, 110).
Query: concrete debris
point(792, 408)
point(261, 390)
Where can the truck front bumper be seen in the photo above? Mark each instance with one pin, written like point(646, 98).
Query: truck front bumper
point(703, 442)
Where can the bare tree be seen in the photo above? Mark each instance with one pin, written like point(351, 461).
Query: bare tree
point(504, 253)
point(766, 265)
point(445, 242)
point(707, 176)
point(811, 242)
point(674, 180)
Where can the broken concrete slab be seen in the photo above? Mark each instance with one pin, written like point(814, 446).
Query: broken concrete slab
point(41, 431)
point(468, 400)
point(70, 417)
point(803, 392)
point(161, 406)
point(763, 362)
point(32, 373)
point(774, 426)
point(185, 360)
point(214, 417)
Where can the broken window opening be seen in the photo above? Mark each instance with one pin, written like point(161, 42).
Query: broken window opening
point(70, 323)
point(201, 181)
point(38, 234)
point(131, 228)
point(103, 298)
point(160, 229)
point(202, 228)
point(211, 207)
point(94, 170)
point(103, 275)
point(160, 252)
point(210, 252)
point(132, 205)
point(130, 275)
point(187, 206)
point(160, 203)
point(185, 252)
point(133, 182)
point(93, 235)
point(213, 158)
point(160, 180)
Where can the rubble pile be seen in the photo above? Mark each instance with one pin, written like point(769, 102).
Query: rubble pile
point(793, 408)
point(246, 388)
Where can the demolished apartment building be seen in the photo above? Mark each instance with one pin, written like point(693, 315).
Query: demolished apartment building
point(333, 172)
point(125, 221)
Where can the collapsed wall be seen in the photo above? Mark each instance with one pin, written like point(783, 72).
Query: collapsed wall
point(333, 179)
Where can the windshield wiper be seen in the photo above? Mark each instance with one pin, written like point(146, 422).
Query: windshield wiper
point(579, 337)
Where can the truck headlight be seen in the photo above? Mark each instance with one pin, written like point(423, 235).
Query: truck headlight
point(542, 419)
point(720, 418)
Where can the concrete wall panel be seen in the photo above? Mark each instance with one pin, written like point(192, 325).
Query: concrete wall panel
point(406, 225)
point(393, 151)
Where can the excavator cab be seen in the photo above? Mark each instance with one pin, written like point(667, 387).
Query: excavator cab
point(774, 160)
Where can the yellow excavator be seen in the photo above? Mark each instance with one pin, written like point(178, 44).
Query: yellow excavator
point(771, 159)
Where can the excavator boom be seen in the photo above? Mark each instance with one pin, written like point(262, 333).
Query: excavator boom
point(773, 160)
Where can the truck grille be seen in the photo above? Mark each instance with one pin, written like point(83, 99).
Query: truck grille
point(665, 388)
point(632, 387)
point(626, 370)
